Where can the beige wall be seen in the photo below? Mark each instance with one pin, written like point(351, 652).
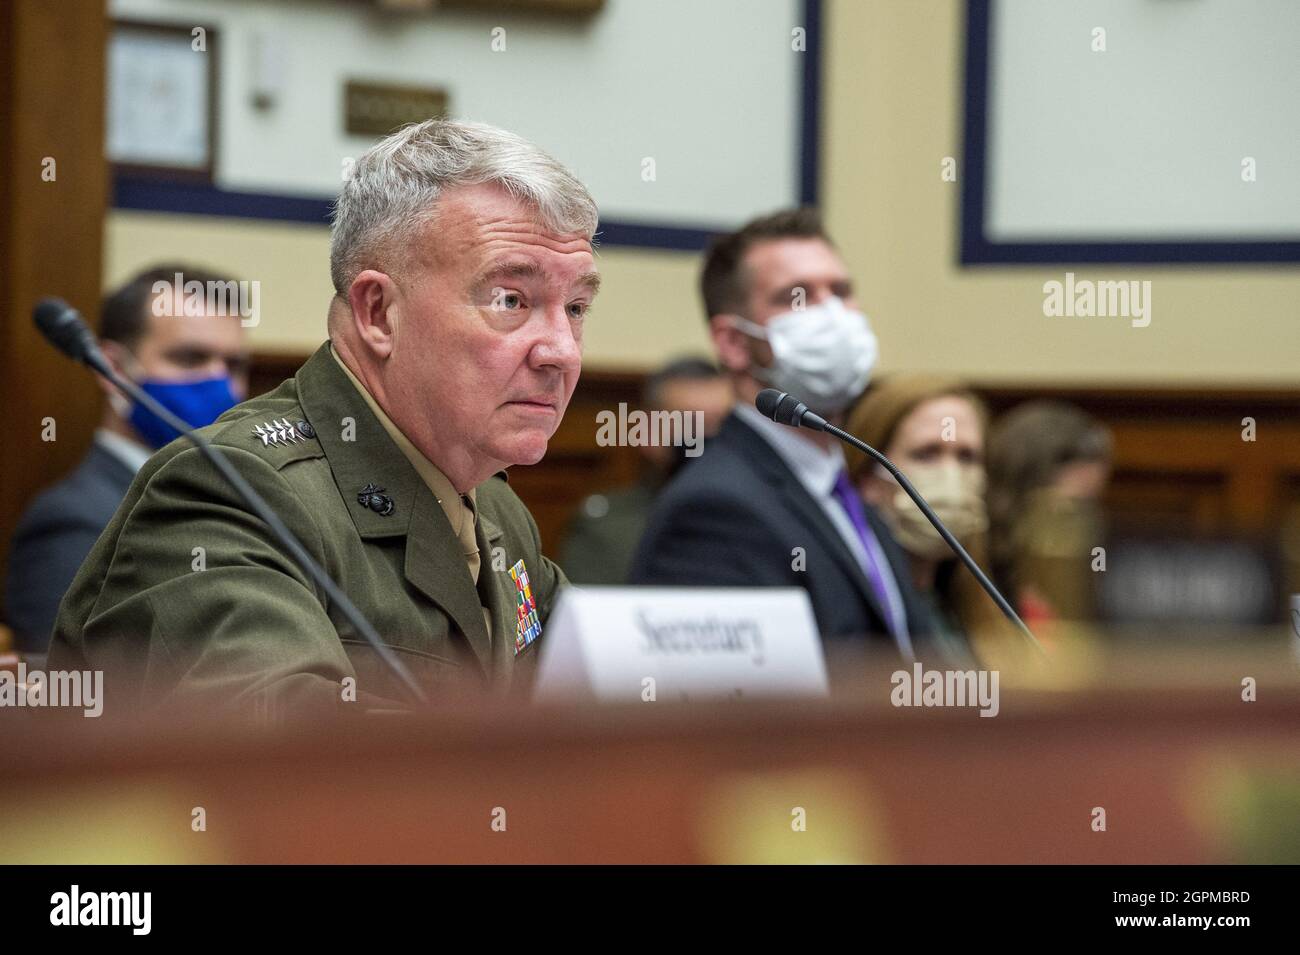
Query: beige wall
point(646, 311)
point(892, 112)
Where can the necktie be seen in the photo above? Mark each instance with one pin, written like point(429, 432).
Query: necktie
point(465, 534)
point(895, 616)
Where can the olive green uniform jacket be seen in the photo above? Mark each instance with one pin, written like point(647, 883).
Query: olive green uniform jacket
point(187, 594)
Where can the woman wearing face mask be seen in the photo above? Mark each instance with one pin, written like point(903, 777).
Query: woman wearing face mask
point(932, 428)
point(1048, 466)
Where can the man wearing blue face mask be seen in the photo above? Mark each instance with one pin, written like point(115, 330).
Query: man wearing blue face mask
point(770, 506)
point(186, 351)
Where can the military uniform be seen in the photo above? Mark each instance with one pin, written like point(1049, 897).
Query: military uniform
point(187, 595)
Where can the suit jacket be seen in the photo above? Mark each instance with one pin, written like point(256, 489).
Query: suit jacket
point(187, 594)
point(53, 537)
point(735, 517)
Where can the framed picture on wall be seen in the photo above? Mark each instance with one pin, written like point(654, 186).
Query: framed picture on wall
point(162, 100)
point(1177, 146)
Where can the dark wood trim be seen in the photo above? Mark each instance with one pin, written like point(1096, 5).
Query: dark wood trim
point(52, 59)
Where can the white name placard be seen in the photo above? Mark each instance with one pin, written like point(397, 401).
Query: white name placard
point(669, 644)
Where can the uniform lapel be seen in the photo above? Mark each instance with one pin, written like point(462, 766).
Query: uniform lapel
point(362, 455)
point(496, 591)
point(436, 567)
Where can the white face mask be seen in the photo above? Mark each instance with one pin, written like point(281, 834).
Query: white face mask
point(823, 355)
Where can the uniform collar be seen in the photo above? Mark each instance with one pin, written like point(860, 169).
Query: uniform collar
point(456, 509)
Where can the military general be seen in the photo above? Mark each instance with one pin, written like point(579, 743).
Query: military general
point(462, 264)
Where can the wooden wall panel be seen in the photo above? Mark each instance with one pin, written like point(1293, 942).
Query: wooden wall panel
point(51, 105)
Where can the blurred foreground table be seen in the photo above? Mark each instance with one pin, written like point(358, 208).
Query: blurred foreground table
point(1184, 769)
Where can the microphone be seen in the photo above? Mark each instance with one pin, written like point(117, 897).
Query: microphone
point(786, 409)
point(64, 328)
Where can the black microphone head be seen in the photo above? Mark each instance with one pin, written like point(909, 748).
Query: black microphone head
point(767, 401)
point(63, 327)
point(780, 406)
point(785, 408)
point(790, 410)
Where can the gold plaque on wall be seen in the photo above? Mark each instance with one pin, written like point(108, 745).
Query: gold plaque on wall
point(376, 109)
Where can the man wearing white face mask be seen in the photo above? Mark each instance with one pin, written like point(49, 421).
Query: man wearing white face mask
point(771, 506)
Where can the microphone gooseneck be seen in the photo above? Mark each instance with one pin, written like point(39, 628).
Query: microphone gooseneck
point(65, 329)
point(786, 409)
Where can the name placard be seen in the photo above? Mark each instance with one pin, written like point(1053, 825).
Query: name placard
point(662, 644)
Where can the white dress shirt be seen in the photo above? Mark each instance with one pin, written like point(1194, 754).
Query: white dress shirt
point(131, 453)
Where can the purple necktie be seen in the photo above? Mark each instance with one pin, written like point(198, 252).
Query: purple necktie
point(895, 616)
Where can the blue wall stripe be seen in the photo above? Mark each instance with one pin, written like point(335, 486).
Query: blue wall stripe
point(153, 195)
point(645, 235)
point(158, 195)
point(810, 119)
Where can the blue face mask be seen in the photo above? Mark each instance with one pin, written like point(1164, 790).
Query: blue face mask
point(197, 403)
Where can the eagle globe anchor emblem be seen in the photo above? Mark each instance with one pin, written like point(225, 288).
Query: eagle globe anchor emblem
point(373, 497)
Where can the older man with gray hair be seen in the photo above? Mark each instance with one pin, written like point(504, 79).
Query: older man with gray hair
point(462, 265)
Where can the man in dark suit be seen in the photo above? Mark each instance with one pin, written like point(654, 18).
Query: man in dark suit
point(766, 505)
point(161, 330)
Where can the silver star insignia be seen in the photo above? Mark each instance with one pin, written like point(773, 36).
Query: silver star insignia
point(276, 432)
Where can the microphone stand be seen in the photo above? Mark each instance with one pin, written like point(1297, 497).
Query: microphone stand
point(946, 534)
point(788, 410)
